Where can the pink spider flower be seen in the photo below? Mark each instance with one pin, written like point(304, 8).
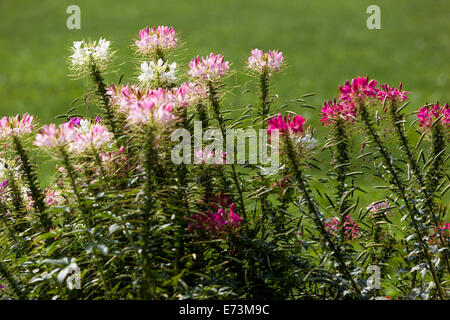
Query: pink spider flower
point(53, 197)
point(360, 88)
point(259, 60)
point(158, 38)
point(90, 134)
point(427, 115)
point(210, 68)
point(333, 110)
point(376, 207)
point(51, 136)
point(334, 227)
point(443, 231)
point(392, 93)
point(17, 125)
point(286, 125)
point(219, 218)
point(4, 186)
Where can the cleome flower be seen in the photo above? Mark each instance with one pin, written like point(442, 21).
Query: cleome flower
point(392, 93)
point(157, 72)
point(219, 218)
point(379, 207)
point(17, 125)
point(158, 38)
point(333, 111)
point(286, 125)
point(349, 227)
point(210, 68)
point(79, 135)
point(83, 52)
point(360, 88)
point(259, 60)
point(428, 114)
point(442, 231)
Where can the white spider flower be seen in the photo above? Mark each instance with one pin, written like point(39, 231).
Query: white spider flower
point(83, 52)
point(161, 70)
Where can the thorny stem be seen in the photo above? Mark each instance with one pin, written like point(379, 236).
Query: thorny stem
point(14, 286)
point(32, 182)
point(312, 208)
point(214, 100)
point(396, 180)
point(342, 159)
point(396, 119)
point(86, 219)
point(104, 98)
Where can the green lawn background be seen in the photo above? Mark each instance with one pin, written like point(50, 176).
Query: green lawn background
point(324, 43)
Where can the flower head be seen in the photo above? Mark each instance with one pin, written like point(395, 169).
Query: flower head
point(360, 88)
point(349, 227)
point(17, 125)
point(271, 60)
point(377, 208)
point(158, 38)
point(83, 52)
point(442, 231)
point(333, 110)
point(210, 68)
point(392, 93)
point(51, 136)
point(286, 125)
point(428, 114)
point(219, 218)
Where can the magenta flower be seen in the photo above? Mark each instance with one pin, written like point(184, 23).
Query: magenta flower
point(443, 231)
point(358, 89)
point(17, 125)
point(161, 37)
point(333, 110)
point(3, 186)
point(210, 68)
point(334, 227)
point(286, 125)
point(427, 115)
point(392, 94)
point(220, 217)
point(271, 60)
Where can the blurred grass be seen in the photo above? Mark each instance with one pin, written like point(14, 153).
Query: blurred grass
point(324, 43)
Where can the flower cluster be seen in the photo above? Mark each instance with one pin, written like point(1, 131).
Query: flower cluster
point(334, 227)
point(53, 197)
point(210, 68)
point(392, 93)
point(17, 125)
point(160, 72)
point(379, 208)
point(80, 135)
point(285, 125)
point(428, 114)
point(158, 38)
point(358, 89)
point(443, 231)
point(333, 110)
point(259, 60)
point(83, 52)
point(221, 217)
point(3, 186)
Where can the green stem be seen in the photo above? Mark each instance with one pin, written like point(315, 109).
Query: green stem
point(14, 286)
point(33, 184)
point(86, 218)
point(313, 210)
point(214, 100)
point(401, 189)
